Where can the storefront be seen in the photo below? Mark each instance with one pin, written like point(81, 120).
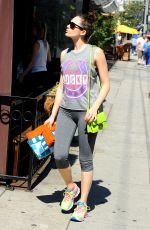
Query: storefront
point(56, 14)
point(16, 20)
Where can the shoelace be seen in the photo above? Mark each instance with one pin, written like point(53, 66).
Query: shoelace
point(80, 208)
point(67, 196)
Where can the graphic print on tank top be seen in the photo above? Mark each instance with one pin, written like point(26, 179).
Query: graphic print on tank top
point(75, 78)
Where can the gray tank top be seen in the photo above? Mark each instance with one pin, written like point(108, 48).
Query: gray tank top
point(75, 70)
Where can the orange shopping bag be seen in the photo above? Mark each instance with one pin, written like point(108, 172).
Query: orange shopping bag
point(41, 140)
point(47, 132)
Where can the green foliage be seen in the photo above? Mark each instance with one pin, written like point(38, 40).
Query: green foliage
point(104, 36)
point(133, 14)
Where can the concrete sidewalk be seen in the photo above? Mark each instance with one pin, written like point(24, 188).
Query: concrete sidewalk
point(120, 195)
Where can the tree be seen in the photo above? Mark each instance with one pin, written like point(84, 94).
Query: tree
point(133, 14)
point(103, 35)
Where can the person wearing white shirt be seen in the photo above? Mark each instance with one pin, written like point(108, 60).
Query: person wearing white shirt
point(139, 47)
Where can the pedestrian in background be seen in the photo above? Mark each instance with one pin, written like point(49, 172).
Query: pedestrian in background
point(35, 74)
point(139, 48)
point(134, 41)
point(118, 39)
point(71, 105)
point(146, 49)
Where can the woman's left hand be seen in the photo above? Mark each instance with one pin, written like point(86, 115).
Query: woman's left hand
point(91, 115)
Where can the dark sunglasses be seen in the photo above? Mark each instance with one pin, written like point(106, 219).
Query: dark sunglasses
point(73, 26)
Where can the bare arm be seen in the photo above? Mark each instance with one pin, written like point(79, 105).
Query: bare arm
point(32, 62)
point(49, 57)
point(101, 64)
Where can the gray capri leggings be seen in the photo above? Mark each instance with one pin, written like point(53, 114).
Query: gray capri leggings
point(66, 124)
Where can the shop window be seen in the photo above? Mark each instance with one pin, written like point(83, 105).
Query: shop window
point(56, 13)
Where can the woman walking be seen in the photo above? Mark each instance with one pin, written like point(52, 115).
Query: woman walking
point(71, 106)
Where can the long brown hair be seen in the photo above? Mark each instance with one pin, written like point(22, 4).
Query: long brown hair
point(41, 29)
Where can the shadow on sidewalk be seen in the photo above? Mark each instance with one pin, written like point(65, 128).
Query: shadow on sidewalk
point(50, 166)
point(97, 195)
point(53, 198)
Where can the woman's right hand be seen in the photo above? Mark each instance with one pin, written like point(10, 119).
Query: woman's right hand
point(50, 121)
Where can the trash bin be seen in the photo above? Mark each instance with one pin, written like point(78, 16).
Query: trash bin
point(126, 52)
point(123, 51)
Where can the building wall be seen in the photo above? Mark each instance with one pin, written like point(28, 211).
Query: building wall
point(6, 35)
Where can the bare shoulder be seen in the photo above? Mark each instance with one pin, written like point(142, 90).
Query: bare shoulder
point(99, 54)
point(98, 51)
point(36, 47)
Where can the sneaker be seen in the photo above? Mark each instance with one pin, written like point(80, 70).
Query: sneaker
point(68, 200)
point(80, 212)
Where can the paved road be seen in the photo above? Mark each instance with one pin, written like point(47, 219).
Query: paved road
point(120, 195)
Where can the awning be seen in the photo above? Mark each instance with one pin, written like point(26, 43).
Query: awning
point(126, 29)
point(108, 6)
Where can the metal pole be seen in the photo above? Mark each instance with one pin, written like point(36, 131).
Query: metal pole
point(146, 15)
